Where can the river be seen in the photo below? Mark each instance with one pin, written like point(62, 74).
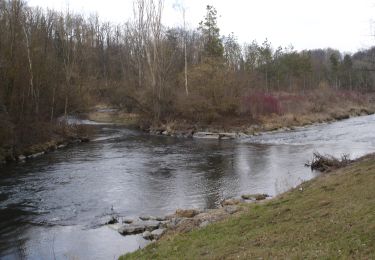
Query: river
point(50, 206)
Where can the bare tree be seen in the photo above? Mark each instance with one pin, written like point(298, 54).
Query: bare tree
point(148, 16)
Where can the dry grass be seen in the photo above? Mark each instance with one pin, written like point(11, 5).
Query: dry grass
point(294, 110)
point(116, 117)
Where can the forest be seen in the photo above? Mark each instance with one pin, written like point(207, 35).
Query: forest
point(54, 64)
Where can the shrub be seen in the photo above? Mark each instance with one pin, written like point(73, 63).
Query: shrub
point(261, 104)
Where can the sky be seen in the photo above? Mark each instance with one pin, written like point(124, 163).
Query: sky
point(347, 25)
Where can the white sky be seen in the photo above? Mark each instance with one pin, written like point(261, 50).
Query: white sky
point(306, 24)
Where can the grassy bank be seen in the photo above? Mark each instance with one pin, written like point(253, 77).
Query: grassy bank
point(329, 217)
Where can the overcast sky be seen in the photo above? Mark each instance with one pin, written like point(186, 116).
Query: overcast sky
point(306, 24)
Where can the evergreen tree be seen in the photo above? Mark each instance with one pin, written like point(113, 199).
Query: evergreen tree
point(213, 46)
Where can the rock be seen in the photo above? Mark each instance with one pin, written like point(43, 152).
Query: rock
point(156, 234)
point(76, 141)
point(227, 135)
point(35, 155)
point(127, 221)
point(255, 197)
point(242, 135)
point(147, 235)
point(131, 230)
point(206, 135)
point(21, 158)
point(261, 196)
point(164, 224)
point(229, 202)
point(145, 218)
point(112, 220)
point(204, 223)
point(247, 197)
point(186, 213)
point(151, 225)
point(173, 222)
point(161, 218)
point(157, 131)
point(187, 224)
point(115, 227)
point(231, 209)
point(212, 135)
point(85, 140)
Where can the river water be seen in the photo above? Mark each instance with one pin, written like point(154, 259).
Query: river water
point(50, 206)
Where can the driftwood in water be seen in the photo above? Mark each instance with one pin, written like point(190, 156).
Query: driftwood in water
point(325, 163)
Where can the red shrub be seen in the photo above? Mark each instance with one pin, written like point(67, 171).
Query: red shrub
point(261, 104)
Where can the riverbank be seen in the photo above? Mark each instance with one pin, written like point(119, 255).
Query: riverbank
point(328, 217)
point(232, 127)
point(42, 139)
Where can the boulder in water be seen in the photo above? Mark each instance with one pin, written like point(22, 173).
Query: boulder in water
point(132, 229)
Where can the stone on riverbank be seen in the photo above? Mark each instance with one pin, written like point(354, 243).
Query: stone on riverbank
point(156, 234)
point(229, 202)
point(21, 158)
point(151, 225)
point(204, 224)
point(132, 230)
point(146, 218)
point(186, 213)
point(128, 221)
point(255, 196)
point(161, 218)
point(211, 135)
point(139, 227)
point(231, 209)
point(35, 155)
point(147, 235)
point(112, 220)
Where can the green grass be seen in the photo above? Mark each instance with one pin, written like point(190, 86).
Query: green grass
point(333, 217)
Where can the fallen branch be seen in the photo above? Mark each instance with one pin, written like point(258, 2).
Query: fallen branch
point(326, 163)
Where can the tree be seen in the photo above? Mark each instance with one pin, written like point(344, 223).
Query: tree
point(265, 60)
point(348, 66)
point(181, 7)
point(213, 46)
point(251, 55)
point(232, 52)
point(334, 59)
